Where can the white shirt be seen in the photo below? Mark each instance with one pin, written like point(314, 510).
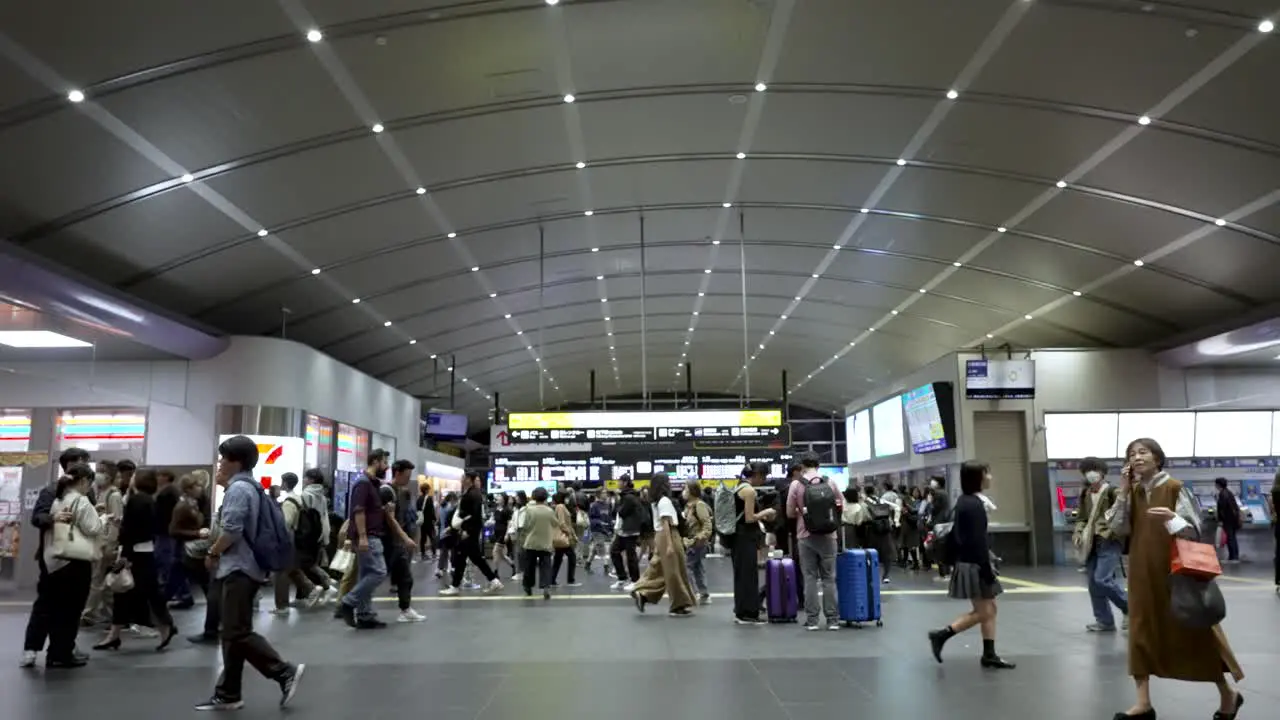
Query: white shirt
point(664, 508)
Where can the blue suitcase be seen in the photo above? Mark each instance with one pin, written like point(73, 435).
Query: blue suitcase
point(781, 598)
point(858, 587)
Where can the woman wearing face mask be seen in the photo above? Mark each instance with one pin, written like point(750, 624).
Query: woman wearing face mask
point(1150, 508)
point(1099, 547)
point(109, 501)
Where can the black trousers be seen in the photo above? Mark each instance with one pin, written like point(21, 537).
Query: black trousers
point(212, 589)
point(38, 621)
point(427, 536)
point(537, 562)
point(68, 588)
point(145, 603)
point(1233, 542)
point(561, 554)
point(240, 644)
point(624, 546)
point(468, 548)
point(400, 571)
point(746, 576)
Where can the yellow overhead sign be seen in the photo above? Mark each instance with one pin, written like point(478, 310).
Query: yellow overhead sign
point(682, 419)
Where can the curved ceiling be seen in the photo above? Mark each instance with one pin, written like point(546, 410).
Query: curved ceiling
point(845, 189)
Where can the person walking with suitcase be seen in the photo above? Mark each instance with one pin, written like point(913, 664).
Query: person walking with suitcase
point(815, 504)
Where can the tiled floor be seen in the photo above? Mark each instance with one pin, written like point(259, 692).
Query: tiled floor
point(588, 654)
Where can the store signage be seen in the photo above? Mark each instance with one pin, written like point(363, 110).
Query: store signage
point(1000, 379)
point(277, 455)
point(501, 443)
point(678, 418)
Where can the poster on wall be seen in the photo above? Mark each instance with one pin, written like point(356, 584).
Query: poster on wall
point(1000, 379)
point(277, 455)
point(10, 510)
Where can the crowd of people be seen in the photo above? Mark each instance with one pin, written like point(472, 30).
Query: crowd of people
point(122, 546)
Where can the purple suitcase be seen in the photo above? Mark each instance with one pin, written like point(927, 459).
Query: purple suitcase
point(780, 595)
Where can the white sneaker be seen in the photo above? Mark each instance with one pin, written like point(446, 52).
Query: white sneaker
point(517, 577)
point(629, 588)
point(450, 592)
point(410, 616)
point(619, 586)
point(28, 659)
point(495, 586)
point(574, 584)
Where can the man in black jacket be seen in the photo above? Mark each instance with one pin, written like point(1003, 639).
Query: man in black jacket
point(38, 624)
point(630, 523)
point(470, 541)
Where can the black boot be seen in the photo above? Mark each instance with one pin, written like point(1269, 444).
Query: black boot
point(938, 638)
point(993, 661)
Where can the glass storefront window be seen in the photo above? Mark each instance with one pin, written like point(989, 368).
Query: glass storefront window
point(353, 447)
point(320, 445)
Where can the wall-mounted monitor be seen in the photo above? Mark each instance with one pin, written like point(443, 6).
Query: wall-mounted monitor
point(999, 379)
point(1175, 431)
point(858, 436)
point(838, 473)
point(887, 433)
point(1071, 436)
point(931, 420)
point(1233, 433)
point(446, 425)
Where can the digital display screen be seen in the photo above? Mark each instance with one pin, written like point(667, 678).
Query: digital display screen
point(858, 435)
point(838, 473)
point(1072, 436)
point(1233, 434)
point(446, 425)
point(561, 470)
point(1175, 431)
point(507, 470)
point(886, 427)
point(924, 420)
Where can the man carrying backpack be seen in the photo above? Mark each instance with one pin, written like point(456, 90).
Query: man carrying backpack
point(816, 504)
point(251, 544)
point(302, 525)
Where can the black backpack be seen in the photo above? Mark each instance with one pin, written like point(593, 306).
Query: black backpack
point(306, 536)
point(881, 517)
point(821, 512)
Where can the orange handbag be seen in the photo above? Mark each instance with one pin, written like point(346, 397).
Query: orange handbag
point(1194, 559)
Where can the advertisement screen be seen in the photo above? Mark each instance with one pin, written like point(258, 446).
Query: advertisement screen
point(999, 379)
point(838, 473)
point(858, 435)
point(1175, 431)
point(446, 425)
point(924, 420)
point(886, 427)
point(1233, 434)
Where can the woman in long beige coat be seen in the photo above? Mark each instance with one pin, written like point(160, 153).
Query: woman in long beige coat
point(1149, 509)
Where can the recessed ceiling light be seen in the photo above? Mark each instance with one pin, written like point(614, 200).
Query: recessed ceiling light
point(553, 2)
point(893, 312)
point(815, 276)
point(507, 316)
point(836, 246)
point(797, 298)
point(464, 379)
point(1219, 222)
point(421, 191)
point(707, 271)
point(607, 318)
point(475, 268)
point(1144, 120)
point(695, 312)
point(1266, 26)
point(772, 332)
point(599, 277)
point(433, 357)
point(314, 35)
point(595, 249)
point(377, 127)
point(956, 264)
point(519, 332)
point(589, 213)
point(923, 290)
point(1077, 293)
point(1002, 229)
point(853, 343)
point(581, 165)
point(989, 335)
point(1027, 317)
point(262, 233)
point(715, 242)
point(727, 204)
point(742, 156)
point(952, 94)
point(1062, 184)
point(901, 162)
point(315, 271)
point(39, 339)
point(569, 98)
point(75, 96)
point(386, 324)
point(690, 329)
point(1138, 263)
point(355, 301)
point(188, 177)
point(701, 294)
point(782, 317)
point(864, 211)
point(871, 329)
point(493, 295)
point(761, 87)
point(604, 299)
point(413, 342)
point(452, 235)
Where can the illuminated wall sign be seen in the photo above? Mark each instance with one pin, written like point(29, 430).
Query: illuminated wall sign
point(102, 427)
point(277, 455)
point(15, 432)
